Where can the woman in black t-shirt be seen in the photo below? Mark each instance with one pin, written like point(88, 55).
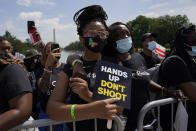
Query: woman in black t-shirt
point(120, 34)
point(92, 32)
point(178, 71)
point(120, 46)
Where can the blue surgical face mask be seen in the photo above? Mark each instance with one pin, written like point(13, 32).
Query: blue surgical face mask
point(193, 51)
point(151, 45)
point(124, 45)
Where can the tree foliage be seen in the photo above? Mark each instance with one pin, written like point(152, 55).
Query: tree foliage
point(18, 45)
point(75, 46)
point(164, 26)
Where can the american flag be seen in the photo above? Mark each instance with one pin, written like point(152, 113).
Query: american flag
point(160, 50)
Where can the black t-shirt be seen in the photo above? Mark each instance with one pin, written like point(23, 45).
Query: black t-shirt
point(89, 69)
point(53, 78)
point(136, 62)
point(13, 82)
point(140, 83)
point(36, 75)
point(36, 92)
point(139, 90)
point(151, 61)
point(174, 71)
point(86, 125)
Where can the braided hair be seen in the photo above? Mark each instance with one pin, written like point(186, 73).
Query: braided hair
point(181, 37)
point(178, 47)
point(89, 14)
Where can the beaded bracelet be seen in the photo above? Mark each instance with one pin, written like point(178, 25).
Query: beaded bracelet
point(72, 111)
point(48, 71)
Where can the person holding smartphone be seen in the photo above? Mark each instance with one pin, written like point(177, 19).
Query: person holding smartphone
point(52, 68)
point(36, 39)
point(49, 76)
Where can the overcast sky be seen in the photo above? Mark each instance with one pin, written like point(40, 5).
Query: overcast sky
point(58, 14)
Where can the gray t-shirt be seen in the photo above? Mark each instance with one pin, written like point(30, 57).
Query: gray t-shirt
point(13, 82)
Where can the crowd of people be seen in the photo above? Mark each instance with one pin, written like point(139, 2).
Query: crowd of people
point(40, 86)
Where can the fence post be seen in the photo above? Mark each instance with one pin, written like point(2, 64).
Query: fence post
point(148, 107)
point(49, 122)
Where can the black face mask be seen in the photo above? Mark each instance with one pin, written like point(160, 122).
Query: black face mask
point(95, 44)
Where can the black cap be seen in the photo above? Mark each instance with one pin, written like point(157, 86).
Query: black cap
point(147, 35)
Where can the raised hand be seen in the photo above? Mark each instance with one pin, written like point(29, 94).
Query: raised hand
point(52, 57)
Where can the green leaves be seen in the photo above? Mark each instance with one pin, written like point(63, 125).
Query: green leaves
point(164, 26)
point(75, 46)
point(18, 45)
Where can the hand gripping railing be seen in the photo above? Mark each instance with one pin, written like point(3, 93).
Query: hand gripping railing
point(151, 105)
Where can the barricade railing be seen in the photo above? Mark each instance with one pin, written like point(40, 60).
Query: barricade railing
point(151, 105)
point(33, 124)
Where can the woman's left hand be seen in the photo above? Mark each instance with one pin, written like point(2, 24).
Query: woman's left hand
point(178, 94)
point(80, 87)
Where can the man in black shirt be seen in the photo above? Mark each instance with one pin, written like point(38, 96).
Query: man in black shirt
point(15, 94)
point(148, 42)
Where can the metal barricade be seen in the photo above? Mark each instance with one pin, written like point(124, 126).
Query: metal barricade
point(48, 122)
point(153, 104)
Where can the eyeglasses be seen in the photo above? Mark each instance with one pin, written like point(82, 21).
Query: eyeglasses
point(94, 33)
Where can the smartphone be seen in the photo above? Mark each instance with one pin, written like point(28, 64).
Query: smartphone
point(55, 46)
point(30, 26)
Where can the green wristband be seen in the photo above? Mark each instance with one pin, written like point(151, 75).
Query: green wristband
point(72, 111)
point(76, 60)
point(73, 63)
